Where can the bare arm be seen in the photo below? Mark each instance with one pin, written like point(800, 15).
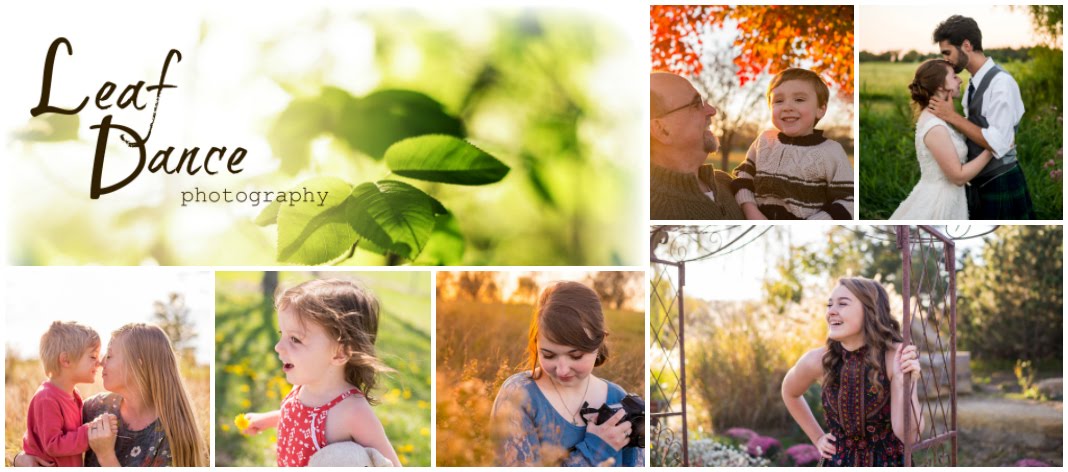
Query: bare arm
point(941, 146)
point(365, 429)
point(905, 362)
point(797, 381)
point(944, 110)
point(260, 421)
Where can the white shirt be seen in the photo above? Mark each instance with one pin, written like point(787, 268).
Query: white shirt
point(1002, 107)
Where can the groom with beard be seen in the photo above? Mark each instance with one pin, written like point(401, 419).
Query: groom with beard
point(993, 110)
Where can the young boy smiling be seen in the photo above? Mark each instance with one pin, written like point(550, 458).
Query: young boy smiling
point(54, 431)
point(793, 172)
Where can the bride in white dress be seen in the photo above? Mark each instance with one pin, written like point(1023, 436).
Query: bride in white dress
point(940, 149)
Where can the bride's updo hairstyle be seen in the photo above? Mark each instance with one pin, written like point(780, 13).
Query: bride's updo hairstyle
point(930, 78)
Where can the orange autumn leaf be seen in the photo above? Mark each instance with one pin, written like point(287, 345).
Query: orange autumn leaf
point(771, 38)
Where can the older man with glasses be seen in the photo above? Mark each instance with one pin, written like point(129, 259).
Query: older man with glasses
point(682, 186)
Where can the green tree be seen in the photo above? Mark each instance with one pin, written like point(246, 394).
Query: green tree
point(1010, 297)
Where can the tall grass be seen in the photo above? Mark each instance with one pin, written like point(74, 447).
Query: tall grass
point(741, 353)
point(23, 376)
point(482, 344)
point(888, 167)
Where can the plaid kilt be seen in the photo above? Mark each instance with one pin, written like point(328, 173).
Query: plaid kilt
point(1003, 198)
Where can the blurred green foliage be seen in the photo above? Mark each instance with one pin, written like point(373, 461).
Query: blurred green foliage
point(1012, 296)
point(522, 96)
point(528, 91)
point(248, 375)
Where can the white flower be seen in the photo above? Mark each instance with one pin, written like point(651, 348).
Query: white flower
point(136, 451)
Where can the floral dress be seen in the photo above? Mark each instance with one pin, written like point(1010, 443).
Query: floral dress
point(302, 428)
point(858, 415)
point(147, 447)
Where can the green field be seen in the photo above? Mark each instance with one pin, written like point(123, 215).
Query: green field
point(888, 168)
point(248, 376)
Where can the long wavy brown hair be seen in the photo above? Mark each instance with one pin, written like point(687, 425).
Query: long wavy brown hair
point(880, 330)
point(349, 315)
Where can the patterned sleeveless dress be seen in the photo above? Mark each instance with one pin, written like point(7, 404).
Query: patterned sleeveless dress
point(302, 429)
point(859, 416)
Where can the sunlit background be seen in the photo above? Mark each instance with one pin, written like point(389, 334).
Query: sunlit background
point(180, 301)
point(755, 300)
point(546, 90)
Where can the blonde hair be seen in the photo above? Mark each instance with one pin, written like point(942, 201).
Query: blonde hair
point(568, 313)
point(153, 366)
point(69, 337)
point(349, 315)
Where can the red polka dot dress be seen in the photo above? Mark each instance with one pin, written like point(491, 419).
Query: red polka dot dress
point(302, 429)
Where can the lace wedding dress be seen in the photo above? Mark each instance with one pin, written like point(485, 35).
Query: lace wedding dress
point(934, 197)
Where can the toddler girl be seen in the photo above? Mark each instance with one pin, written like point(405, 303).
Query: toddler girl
point(328, 330)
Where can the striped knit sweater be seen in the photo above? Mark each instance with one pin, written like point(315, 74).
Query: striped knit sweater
point(676, 195)
point(807, 178)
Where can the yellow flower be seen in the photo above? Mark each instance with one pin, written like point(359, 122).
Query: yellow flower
point(274, 439)
point(241, 421)
point(225, 427)
point(406, 448)
point(424, 432)
point(246, 403)
point(403, 459)
point(422, 404)
point(407, 394)
point(243, 388)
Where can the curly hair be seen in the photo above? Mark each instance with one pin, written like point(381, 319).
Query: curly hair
point(349, 314)
point(568, 313)
point(880, 331)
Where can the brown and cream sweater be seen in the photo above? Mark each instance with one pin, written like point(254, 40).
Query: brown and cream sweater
point(677, 196)
point(807, 178)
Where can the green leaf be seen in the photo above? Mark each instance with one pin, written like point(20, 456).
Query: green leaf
point(269, 215)
point(392, 215)
point(446, 243)
point(302, 121)
point(372, 124)
point(311, 234)
point(440, 158)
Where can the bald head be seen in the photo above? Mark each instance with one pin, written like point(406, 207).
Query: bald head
point(679, 122)
point(663, 85)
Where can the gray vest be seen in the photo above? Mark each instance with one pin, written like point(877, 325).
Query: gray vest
point(996, 166)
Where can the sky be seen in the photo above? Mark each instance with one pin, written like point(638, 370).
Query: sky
point(887, 28)
point(104, 298)
point(739, 275)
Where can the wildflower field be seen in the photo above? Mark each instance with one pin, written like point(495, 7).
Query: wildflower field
point(888, 166)
point(249, 378)
point(482, 344)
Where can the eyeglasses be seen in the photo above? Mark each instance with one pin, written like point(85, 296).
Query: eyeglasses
point(697, 102)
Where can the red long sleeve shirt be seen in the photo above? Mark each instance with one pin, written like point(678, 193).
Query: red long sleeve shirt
point(54, 429)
